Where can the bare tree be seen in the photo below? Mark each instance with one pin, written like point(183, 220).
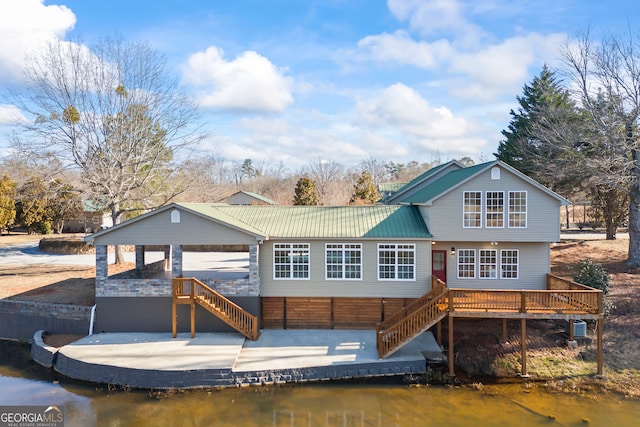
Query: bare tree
point(606, 79)
point(115, 113)
point(326, 174)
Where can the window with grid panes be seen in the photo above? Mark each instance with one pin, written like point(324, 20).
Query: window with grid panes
point(494, 209)
point(291, 261)
point(509, 259)
point(466, 263)
point(343, 261)
point(488, 264)
point(517, 209)
point(396, 261)
point(472, 211)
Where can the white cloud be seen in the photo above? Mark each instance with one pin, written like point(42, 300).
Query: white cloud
point(10, 114)
point(249, 82)
point(501, 68)
point(24, 26)
point(401, 109)
point(436, 17)
point(399, 47)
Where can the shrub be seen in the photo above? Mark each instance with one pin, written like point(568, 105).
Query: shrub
point(592, 274)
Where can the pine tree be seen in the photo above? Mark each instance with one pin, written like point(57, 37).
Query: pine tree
point(306, 193)
point(364, 191)
point(532, 144)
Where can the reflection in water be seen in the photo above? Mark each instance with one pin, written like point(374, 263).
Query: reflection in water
point(314, 405)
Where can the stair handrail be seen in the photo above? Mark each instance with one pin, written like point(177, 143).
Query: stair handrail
point(219, 305)
point(416, 317)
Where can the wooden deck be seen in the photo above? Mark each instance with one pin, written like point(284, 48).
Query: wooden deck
point(563, 299)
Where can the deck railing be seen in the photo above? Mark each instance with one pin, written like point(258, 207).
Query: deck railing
point(562, 298)
point(191, 290)
point(415, 318)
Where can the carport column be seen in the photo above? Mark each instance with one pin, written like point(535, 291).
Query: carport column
point(102, 265)
point(176, 260)
point(254, 271)
point(167, 257)
point(139, 260)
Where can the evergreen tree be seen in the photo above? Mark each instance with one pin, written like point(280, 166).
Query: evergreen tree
point(7, 202)
point(364, 191)
point(533, 143)
point(306, 193)
point(32, 208)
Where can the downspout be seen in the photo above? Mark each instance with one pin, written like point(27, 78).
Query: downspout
point(92, 319)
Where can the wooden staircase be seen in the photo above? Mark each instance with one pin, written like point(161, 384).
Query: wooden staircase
point(193, 291)
point(414, 319)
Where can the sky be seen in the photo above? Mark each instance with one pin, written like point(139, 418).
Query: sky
point(300, 81)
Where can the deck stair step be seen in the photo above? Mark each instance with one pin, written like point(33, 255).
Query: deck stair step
point(412, 320)
point(196, 292)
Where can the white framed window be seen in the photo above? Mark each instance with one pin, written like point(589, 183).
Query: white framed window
point(466, 264)
point(509, 261)
point(472, 211)
point(494, 210)
point(175, 216)
point(488, 264)
point(343, 261)
point(396, 261)
point(517, 209)
point(291, 261)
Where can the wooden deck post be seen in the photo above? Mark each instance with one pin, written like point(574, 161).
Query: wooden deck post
point(439, 332)
point(174, 318)
point(504, 330)
point(193, 318)
point(452, 372)
point(599, 352)
point(571, 330)
point(523, 347)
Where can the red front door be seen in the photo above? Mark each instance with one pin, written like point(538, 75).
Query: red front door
point(439, 264)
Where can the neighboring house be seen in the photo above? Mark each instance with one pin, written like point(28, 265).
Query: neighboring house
point(92, 219)
point(385, 189)
point(248, 198)
point(486, 226)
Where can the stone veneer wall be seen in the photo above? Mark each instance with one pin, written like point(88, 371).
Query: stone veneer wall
point(134, 288)
point(120, 287)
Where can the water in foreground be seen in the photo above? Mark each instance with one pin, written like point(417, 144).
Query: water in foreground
point(23, 383)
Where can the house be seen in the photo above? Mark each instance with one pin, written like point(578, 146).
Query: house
point(91, 219)
point(485, 228)
point(247, 198)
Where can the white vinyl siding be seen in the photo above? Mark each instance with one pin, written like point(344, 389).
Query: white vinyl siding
point(509, 261)
point(343, 261)
point(533, 216)
point(494, 210)
point(488, 263)
point(396, 262)
point(291, 261)
point(466, 264)
point(472, 211)
point(369, 286)
point(517, 209)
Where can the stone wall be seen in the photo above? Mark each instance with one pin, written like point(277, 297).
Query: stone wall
point(134, 288)
point(19, 320)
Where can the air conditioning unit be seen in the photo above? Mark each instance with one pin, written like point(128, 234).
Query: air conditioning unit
point(579, 328)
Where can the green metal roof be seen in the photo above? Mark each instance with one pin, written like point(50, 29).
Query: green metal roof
point(391, 186)
point(377, 221)
point(256, 196)
point(444, 184)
